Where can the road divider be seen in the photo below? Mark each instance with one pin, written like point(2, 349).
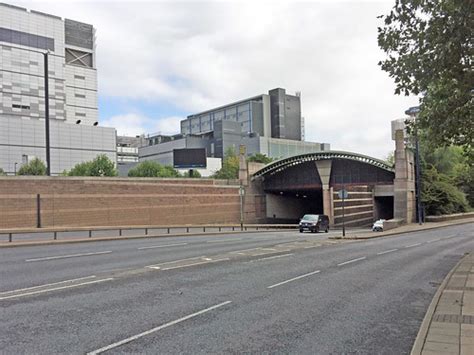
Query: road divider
point(154, 330)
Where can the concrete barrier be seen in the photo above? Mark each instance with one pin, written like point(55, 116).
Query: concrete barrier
point(449, 217)
point(392, 223)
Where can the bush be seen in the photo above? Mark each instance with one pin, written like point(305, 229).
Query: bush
point(153, 169)
point(260, 158)
point(100, 166)
point(2, 172)
point(196, 174)
point(33, 167)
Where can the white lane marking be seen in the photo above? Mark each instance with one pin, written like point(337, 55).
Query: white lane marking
point(56, 289)
point(223, 240)
point(412, 245)
point(351, 261)
point(162, 246)
point(271, 257)
point(67, 256)
point(45, 285)
point(295, 278)
point(193, 264)
point(387, 251)
point(169, 324)
point(175, 261)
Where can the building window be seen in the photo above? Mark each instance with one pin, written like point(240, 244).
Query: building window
point(79, 77)
point(81, 96)
point(24, 107)
point(26, 39)
point(80, 114)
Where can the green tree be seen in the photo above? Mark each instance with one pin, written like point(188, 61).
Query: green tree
point(439, 195)
point(33, 167)
point(429, 51)
point(169, 172)
point(2, 172)
point(260, 158)
point(390, 159)
point(100, 166)
point(80, 169)
point(230, 166)
point(146, 168)
point(150, 168)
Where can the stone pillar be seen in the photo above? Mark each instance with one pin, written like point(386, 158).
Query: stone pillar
point(404, 184)
point(324, 170)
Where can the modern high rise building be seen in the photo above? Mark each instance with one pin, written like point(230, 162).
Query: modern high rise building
point(275, 115)
point(269, 124)
point(25, 37)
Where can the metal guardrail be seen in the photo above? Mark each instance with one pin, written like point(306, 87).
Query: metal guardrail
point(91, 232)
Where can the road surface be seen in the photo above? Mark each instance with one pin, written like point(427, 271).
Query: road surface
point(273, 292)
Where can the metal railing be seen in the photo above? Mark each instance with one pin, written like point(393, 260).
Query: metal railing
point(44, 234)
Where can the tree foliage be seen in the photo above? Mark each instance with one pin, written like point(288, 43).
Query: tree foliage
point(429, 52)
point(196, 174)
point(449, 165)
point(150, 168)
point(439, 195)
point(33, 167)
point(2, 172)
point(100, 166)
point(260, 158)
point(230, 166)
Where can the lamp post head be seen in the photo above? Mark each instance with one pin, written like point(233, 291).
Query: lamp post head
point(412, 111)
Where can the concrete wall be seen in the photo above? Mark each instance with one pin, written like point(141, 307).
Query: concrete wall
point(284, 207)
point(120, 201)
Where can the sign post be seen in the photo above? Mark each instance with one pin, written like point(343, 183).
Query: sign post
point(241, 195)
point(343, 194)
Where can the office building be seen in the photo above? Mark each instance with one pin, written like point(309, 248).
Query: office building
point(25, 37)
point(269, 124)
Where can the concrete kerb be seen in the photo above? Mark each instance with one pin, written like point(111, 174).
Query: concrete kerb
point(104, 239)
point(407, 229)
point(425, 325)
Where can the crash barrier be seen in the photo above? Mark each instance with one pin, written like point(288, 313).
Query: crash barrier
point(44, 234)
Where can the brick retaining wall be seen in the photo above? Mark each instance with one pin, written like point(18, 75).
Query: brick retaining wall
point(71, 201)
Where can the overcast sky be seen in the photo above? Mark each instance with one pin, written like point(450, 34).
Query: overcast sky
point(159, 61)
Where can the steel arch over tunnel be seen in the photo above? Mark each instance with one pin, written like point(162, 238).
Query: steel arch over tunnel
point(309, 183)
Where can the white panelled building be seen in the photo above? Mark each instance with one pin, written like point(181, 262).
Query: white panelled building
point(25, 35)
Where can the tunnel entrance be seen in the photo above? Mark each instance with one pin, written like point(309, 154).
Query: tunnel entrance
point(293, 193)
point(290, 205)
point(383, 207)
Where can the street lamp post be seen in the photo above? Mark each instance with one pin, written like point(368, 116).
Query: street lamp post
point(15, 168)
point(413, 112)
point(46, 113)
point(46, 104)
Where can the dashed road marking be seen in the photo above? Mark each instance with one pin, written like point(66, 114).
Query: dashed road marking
point(46, 285)
point(387, 251)
point(271, 257)
point(166, 325)
point(412, 245)
point(224, 241)
point(68, 256)
point(352, 261)
point(295, 278)
point(56, 288)
point(162, 246)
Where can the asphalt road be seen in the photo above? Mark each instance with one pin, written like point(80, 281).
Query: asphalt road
point(255, 293)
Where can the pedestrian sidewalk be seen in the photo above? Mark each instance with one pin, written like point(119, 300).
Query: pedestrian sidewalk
point(448, 327)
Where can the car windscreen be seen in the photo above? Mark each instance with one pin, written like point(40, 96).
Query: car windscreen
point(310, 217)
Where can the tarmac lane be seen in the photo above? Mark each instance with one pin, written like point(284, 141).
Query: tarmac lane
point(366, 297)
